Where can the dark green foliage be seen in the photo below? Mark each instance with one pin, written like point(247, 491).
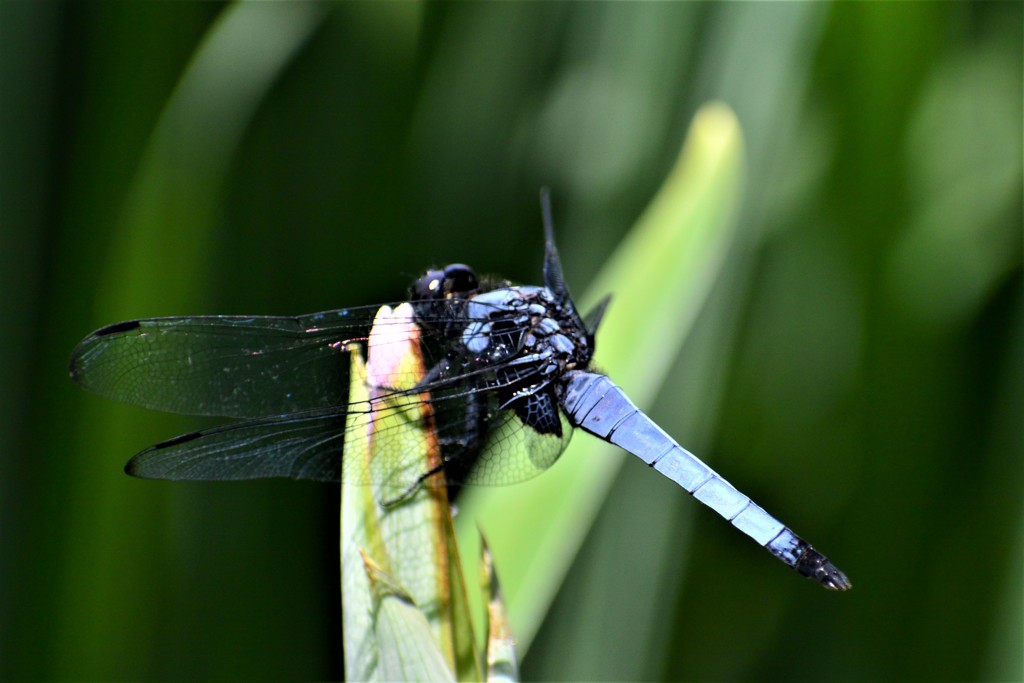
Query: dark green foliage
point(870, 394)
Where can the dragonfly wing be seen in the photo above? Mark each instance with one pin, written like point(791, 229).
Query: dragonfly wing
point(229, 366)
point(518, 445)
point(299, 447)
point(309, 445)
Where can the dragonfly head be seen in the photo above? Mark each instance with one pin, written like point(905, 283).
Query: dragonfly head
point(458, 279)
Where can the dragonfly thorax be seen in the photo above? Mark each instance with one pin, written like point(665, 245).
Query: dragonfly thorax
point(525, 324)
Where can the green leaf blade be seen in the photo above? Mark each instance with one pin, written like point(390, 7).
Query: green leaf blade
point(407, 648)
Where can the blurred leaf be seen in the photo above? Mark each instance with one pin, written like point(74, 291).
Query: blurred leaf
point(167, 221)
point(958, 246)
point(1004, 659)
point(659, 277)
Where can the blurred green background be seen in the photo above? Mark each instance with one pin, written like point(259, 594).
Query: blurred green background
point(172, 158)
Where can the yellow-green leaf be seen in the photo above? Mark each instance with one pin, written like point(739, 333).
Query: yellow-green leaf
point(405, 641)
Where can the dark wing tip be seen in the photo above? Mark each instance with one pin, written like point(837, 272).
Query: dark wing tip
point(146, 465)
point(137, 466)
point(131, 468)
point(126, 326)
point(75, 363)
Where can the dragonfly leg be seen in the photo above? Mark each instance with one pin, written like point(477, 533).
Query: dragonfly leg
point(411, 490)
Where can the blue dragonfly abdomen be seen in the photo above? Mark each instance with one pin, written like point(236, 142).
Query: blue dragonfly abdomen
point(594, 403)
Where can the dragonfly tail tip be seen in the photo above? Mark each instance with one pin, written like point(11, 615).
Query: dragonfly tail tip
point(832, 578)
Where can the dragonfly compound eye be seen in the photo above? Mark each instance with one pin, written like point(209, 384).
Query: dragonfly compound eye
point(430, 286)
point(459, 279)
point(455, 280)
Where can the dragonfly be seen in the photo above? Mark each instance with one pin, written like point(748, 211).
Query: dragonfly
point(508, 378)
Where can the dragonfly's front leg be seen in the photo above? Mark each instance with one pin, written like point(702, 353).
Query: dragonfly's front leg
point(412, 489)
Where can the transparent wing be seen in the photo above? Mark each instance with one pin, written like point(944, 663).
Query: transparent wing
point(310, 445)
point(229, 366)
point(288, 379)
point(298, 446)
point(513, 452)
